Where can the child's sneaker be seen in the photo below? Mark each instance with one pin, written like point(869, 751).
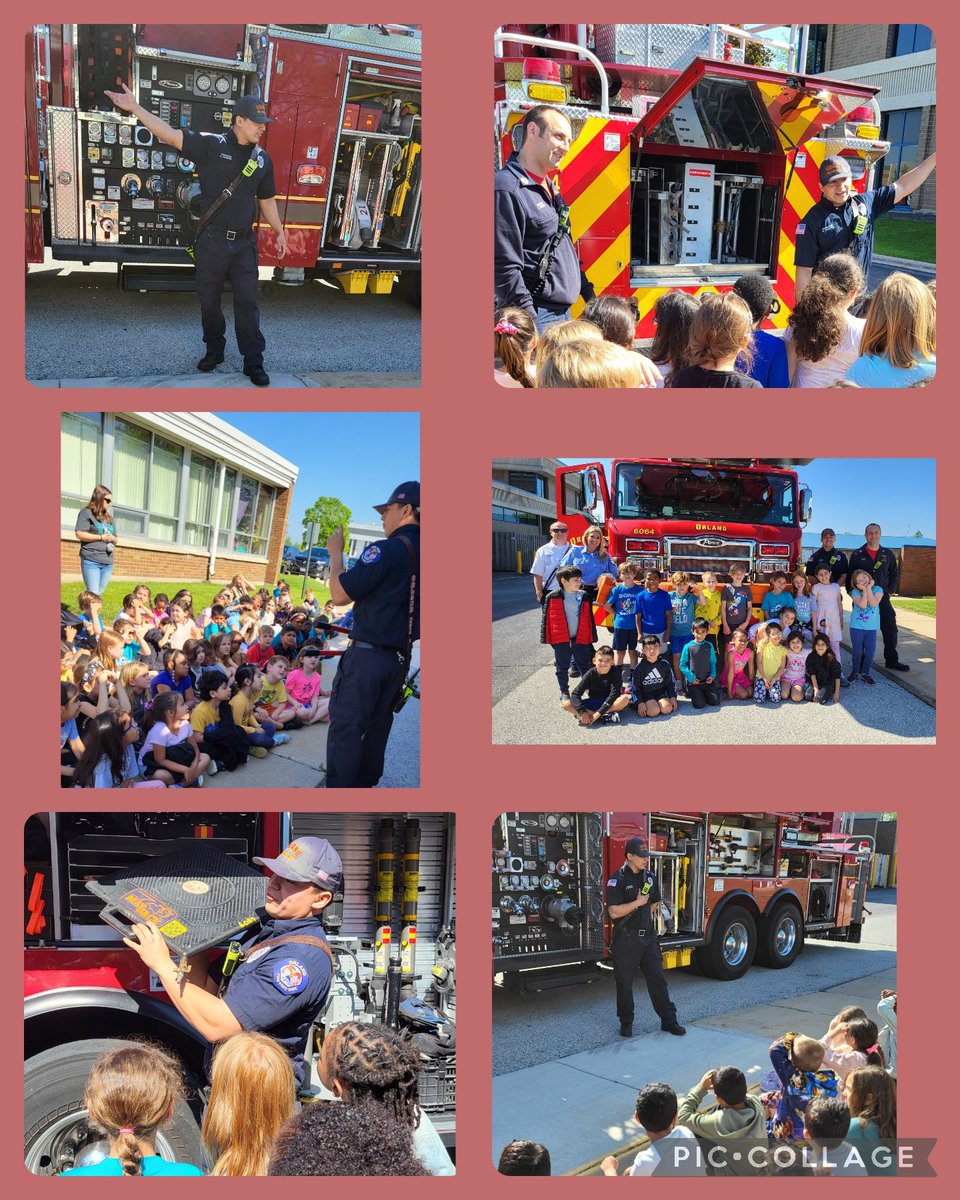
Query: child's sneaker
point(281, 739)
point(198, 782)
point(213, 768)
point(853, 677)
point(258, 752)
point(564, 697)
point(868, 679)
point(610, 719)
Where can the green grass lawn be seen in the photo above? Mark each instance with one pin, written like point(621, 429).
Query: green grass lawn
point(203, 593)
point(918, 604)
point(906, 239)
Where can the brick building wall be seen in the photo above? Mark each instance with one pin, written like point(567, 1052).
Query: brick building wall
point(135, 562)
point(925, 200)
point(848, 45)
point(918, 571)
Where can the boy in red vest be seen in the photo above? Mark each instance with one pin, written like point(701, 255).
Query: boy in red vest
point(568, 626)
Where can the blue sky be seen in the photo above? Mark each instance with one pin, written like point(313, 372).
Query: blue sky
point(357, 457)
point(899, 494)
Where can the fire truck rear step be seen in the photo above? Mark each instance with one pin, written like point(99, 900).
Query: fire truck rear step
point(144, 277)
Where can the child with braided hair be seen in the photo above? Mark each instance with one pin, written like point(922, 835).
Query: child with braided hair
point(370, 1064)
point(131, 1094)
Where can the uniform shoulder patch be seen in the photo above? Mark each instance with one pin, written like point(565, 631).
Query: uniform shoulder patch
point(290, 976)
point(801, 228)
point(611, 882)
point(370, 555)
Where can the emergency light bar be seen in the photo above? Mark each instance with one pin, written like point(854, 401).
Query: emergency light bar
point(541, 81)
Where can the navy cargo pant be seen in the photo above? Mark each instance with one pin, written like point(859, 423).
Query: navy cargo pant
point(640, 951)
point(219, 259)
point(888, 630)
point(365, 689)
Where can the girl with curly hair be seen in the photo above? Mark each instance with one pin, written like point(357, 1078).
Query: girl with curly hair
point(822, 337)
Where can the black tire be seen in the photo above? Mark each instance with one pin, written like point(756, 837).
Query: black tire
point(55, 1119)
point(732, 946)
point(408, 287)
point(781, 936)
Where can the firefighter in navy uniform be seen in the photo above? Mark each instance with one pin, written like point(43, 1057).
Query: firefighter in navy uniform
point(881, 564)
point(227, 245)
point(372, 669)
point(633, 896)
point(828, 556)
point(284, 975)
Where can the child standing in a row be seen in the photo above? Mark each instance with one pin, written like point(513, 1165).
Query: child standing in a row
point(568, 626)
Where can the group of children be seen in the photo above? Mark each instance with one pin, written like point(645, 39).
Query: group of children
point(834, 1095)
point(163, 698)
point(716, 340)
point(698, 640)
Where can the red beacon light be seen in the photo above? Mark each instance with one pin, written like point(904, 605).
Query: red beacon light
point(541, 81)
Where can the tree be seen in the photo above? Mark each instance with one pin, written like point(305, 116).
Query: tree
point(755, 54)
point(327, 512)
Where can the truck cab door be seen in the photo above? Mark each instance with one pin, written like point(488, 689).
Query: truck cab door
point(583, 498)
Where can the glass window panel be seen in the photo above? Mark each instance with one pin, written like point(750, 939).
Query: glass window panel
point(165, 489)
point(129, 522)
point(261, 524)
point(246, 508)
point(199, 500)
point(131, 451)
point(911, 125)
point(163, 529)
point(79, 455)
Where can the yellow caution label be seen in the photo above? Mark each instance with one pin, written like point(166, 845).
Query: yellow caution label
point(173, 929)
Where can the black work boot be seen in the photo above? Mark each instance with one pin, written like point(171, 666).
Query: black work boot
point(209, 361)
point(257, 375)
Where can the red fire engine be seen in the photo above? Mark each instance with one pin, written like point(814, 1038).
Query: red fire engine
point(83, 987)
point(737, 888)
point(687, 169)
point(344, 102)
point(692, 515)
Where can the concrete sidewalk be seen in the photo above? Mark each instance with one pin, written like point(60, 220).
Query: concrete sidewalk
point(581, 1107)
point(236, 379)
point(916, 646)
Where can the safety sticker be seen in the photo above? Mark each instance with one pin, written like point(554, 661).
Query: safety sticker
point(173, 929)
point(718, 885)
point(313, 151)
point(370, 555)
point(291, 977)
point(611, 141)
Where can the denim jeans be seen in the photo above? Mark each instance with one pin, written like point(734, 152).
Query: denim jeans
point(262, 736)
point(864, 645)
point(96, 576)
point(545, 317)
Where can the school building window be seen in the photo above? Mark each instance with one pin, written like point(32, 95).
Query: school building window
point(513, 517)
point(901, 129)
point(526, 481)
point(912, 38)
point(163, 491)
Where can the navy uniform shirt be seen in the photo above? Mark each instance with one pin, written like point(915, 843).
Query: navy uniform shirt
point(827, 229)
point(835, 559)
point(380, 586)
point(624, 888)
point(883, 568)
point(281, 990)
point(219, 158)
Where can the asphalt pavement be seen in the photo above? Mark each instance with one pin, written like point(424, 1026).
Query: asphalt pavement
point(80, 326)
point(300, 763)
point(526, 709)
point(564, 1077)
point(882, 266)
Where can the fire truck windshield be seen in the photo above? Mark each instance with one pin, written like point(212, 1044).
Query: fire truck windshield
point(664, 491)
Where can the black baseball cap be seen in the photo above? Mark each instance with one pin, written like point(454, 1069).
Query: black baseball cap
point(403, 493)
point(833, 168)
point(308, 860)
point(253, 108)
point(637, 846)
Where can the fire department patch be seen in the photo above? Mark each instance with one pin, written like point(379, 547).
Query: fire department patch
point(290, 977)
point(370, 555)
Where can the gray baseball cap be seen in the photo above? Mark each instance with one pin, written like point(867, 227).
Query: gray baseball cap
point(308, 860)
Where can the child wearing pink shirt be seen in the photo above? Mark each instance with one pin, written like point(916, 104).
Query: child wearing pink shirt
point(304, 687)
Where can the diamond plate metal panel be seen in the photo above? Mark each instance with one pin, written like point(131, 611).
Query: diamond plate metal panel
point(669, 46)
point(64, 175)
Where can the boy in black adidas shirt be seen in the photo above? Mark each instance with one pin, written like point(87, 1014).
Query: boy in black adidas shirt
point(653, 686)
point(600, 694)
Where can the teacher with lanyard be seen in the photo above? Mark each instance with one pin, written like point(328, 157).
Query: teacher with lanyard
point(96, 532)
point(843, 220)
point(592, 561)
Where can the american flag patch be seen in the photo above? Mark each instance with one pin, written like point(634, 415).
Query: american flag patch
point(801, 228)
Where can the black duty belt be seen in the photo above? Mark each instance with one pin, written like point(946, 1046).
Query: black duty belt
point(230, 234)
point(635, 932)
point(373, 646)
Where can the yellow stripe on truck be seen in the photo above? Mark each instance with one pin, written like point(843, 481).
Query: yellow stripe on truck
point(598, 197)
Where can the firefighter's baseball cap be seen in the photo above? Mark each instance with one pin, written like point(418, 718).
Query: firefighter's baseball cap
point(253, 108)
point(308, 860)
point(637, 846)
point(403, 493)
point(833, 169)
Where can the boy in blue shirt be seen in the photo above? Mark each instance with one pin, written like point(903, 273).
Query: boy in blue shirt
point(623, 602)
point(777, 597)
point(698, 662)
point(682, 602)
point(656, 608)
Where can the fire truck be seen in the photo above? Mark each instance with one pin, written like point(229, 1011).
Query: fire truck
point(737, 888)
point(688, 168)
point(345, 110)
point(692, 515)
point(84, 989)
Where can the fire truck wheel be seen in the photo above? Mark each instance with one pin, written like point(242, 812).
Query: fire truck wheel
point(56, 1135)
point(408, 286)
point(732, 945)
point(781, 936)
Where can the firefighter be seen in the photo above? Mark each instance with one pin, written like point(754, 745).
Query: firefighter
point(536, 266)
point(882, 564)
point(829, 556)
point(386, 623)
point(284, 976)
point(843, 220)
point(633, 898)
point(227, 246)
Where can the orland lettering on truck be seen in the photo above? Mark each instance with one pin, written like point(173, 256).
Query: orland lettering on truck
point(692, 515)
